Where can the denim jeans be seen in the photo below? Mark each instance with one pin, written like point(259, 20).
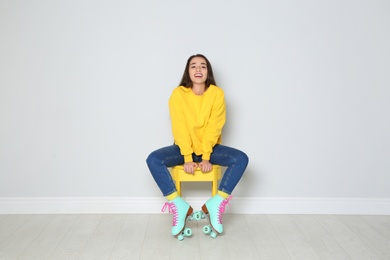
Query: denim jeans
point(235, 160)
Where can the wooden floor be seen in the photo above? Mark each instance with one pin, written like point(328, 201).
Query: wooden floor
point(148, 237)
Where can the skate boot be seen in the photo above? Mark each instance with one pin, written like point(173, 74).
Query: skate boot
point(214, 208)
point(181, 211)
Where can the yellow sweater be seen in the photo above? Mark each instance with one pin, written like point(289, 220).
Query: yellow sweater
point(197, 121)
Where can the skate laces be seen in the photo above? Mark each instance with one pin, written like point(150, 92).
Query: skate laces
point(221, 208)
point(171, 209)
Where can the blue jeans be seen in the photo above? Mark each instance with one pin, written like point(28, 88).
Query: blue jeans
point(235, 161)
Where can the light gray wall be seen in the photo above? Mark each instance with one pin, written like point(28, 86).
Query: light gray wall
point(84, 88)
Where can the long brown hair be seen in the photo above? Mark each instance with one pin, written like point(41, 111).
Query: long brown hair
point(186, 80)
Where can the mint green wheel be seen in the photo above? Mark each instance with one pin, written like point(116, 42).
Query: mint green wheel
point(207, 229)
point(187, 232)
point(197, 215)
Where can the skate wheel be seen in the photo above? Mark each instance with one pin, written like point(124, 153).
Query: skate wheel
point(213, 234)
point(207, 230)
point(197, 215)
point(187, 232)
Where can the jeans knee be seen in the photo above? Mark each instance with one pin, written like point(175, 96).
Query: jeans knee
point(150, 159)
point(244, 158)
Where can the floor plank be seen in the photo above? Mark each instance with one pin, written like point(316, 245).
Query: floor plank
point(238, 237)
point(9, 224)
point(21, 239)
point(380, 223)
point(103, 238)
point(2, 217)
point(296, 244)
point(189, 247)
point(131, 238)
point(158, 239)
point(44, 244)
point(348, 240)
point(370, 236)
point(265, 238)
point(321, 241)
point(213, 248)
point(75, 240)
point(148, 236)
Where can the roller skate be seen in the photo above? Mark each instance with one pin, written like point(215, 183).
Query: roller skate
point(213, 210)
point(182, 212)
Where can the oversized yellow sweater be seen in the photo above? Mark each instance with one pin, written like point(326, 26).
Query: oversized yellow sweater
point(197, 121)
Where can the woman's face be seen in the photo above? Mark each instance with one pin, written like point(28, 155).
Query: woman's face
point(198, 70)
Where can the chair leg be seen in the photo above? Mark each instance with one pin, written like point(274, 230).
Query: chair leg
point(178, 187)
point(214, 188)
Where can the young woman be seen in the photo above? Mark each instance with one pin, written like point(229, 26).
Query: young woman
point(198, 114)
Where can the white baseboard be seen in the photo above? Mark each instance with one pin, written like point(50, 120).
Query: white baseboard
point(238, 205)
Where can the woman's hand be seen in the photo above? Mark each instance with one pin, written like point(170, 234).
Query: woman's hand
point(190, 167)
point(205, 166)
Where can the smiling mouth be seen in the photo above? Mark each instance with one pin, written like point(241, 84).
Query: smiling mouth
point(198, 75)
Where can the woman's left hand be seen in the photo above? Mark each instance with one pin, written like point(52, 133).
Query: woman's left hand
point(205, 166)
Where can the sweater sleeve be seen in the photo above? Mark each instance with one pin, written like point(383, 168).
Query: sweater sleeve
point(213, 131)
point(179, 128)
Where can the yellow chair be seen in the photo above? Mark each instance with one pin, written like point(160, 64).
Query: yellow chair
point(180, 176)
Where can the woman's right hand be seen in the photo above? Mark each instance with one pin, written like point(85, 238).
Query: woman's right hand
point(190, 167)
